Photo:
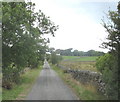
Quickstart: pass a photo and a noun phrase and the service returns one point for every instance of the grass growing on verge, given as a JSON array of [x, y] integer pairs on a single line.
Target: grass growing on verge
[[19, 92], [84, 92]]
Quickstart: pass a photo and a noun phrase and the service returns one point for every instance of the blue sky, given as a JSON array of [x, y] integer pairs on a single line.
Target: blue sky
[[79, 22], [97, 9]]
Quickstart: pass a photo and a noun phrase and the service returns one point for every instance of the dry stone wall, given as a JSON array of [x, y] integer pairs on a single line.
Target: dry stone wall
[[85, 76]]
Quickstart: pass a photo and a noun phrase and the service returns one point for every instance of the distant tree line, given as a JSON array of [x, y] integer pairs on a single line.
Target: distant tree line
[[69, 52]]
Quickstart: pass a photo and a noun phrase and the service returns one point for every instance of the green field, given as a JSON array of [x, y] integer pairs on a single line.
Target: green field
[[70, 57], [80, 58]]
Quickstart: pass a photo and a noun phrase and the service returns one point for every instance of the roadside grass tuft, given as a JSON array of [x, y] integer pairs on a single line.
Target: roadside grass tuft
[[19, 92], [83, 91]]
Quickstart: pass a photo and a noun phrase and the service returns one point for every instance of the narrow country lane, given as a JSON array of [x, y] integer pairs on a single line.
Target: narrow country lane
[[49, 86]]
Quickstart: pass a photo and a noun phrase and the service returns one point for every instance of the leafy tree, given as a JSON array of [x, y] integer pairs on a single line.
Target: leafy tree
[[82, 53], [22, 43], [51, 50], [108, 64], [55, 58], [76, 53], [94, 53], [66, 52]]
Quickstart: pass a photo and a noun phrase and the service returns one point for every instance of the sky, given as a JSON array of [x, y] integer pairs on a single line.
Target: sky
[[79, 22]]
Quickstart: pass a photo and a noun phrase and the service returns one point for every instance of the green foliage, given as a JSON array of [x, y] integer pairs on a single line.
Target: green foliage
[[104, 61], [48, 57], [113, 29], [108, 64], [22, 42], [94, 53], [55, 58]]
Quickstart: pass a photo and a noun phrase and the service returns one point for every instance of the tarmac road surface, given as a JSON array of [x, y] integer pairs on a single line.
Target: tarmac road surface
[[49, 86]]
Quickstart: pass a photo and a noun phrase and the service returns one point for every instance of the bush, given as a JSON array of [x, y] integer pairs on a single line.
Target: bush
[[11, 75], [55, 58], [107, 65]]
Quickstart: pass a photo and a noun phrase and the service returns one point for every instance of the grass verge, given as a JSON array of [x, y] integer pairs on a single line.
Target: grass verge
[[19, 92], [84, 92]]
